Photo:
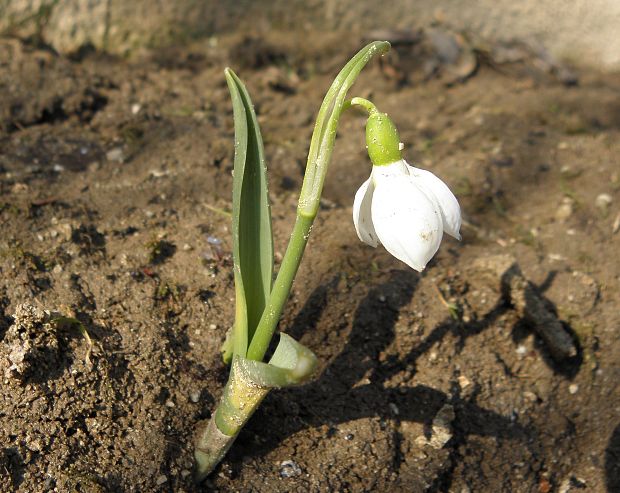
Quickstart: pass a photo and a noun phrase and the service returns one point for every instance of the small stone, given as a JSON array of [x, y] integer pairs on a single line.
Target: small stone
[[19, 188], [185, 473], [194, 397], [187, 247], [464, 382], [433, 356], [161, 480], [212, 326], [603, 201], [135, 108], [565, 210], [521, 350], [289, 469], [616, 226], [115, 155], [572, 484], [34, 446], [573, 388], [159, 173], [170, 404], [57, 269], [394, 409], [382, 298], [441, 428], [556, 257]]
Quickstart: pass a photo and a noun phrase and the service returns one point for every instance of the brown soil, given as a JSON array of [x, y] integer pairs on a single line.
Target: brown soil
[[115, 182]]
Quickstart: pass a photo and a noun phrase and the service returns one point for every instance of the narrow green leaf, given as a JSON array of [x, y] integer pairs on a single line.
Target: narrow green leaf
[[251, 218]]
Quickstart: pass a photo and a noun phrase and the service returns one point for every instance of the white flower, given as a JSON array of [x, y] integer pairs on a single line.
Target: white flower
[[406, 209]]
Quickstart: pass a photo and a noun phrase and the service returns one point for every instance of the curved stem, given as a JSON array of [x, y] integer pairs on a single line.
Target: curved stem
[[319, 155], [364, 103]]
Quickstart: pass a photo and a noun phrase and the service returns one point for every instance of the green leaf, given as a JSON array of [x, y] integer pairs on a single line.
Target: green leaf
[[251, 218]]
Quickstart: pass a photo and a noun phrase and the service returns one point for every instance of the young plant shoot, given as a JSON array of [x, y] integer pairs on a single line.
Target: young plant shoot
[[406, 209]]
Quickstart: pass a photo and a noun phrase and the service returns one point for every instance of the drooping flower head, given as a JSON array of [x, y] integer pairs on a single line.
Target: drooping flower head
[[404, 208]]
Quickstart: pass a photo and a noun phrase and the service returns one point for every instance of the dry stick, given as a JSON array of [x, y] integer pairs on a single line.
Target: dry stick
[[530, 305]]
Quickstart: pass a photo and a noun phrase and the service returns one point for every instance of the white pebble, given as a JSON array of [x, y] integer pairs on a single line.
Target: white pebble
[[115, 154], [603, 201]]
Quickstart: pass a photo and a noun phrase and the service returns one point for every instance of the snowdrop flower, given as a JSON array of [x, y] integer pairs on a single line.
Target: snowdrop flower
[[406, 209]]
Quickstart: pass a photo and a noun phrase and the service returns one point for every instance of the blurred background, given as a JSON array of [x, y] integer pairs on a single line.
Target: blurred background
[[579, 31]]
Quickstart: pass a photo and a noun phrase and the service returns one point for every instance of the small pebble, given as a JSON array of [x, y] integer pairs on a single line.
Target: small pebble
[[135, 108], [212, 326], [115, 154], [616, 225], [603, 201], [464, 381], [187, 247], [170, 403], [161, 480], [521, 350], [565, 210], [185, 473], [289, 469], [573, 388], [194, 397]]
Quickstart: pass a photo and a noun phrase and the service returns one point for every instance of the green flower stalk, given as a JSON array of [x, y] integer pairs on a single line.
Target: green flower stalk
[[259, 304]]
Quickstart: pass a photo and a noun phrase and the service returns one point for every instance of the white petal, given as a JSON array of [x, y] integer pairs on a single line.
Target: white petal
[[361, 214], [450, 209], [406, 220]]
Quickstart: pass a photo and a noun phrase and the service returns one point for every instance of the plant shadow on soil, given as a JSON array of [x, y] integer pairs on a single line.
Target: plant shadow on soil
[[612, 462], [334, 401]]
